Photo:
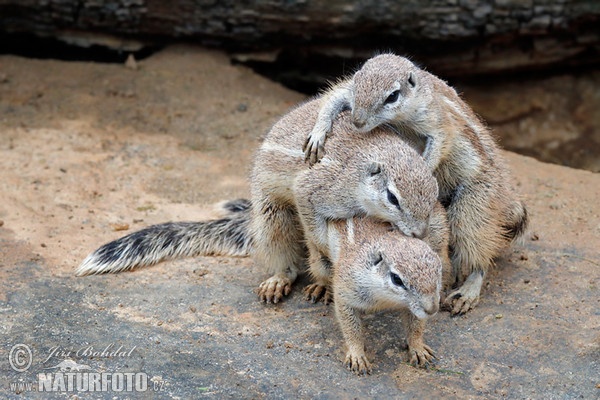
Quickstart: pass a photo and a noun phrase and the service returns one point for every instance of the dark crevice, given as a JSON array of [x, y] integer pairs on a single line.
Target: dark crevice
[[77, 12], [32, 46], [306, 70], [309, 72]]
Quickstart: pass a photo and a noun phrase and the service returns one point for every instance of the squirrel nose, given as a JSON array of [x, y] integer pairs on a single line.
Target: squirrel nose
[[421, 232], [359, 124], [359, 118], [432, 308]]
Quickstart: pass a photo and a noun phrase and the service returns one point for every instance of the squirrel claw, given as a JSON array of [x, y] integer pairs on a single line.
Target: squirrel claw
[[313, 149], [274, 289], [316, 291], [358, 364], [459, 303], [422, 356], [466, 297]]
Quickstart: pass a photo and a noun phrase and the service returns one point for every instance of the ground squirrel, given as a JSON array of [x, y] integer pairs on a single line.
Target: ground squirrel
[[375, 268], [372, 266], [484, 213], [375, 175]]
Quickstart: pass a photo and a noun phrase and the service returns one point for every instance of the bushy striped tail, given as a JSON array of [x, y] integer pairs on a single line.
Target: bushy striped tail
[[228, 236]]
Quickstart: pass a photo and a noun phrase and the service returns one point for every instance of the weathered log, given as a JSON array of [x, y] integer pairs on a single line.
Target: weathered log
[[457, 37]]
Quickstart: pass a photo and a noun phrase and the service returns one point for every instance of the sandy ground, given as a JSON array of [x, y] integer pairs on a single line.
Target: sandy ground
[[89, 152]]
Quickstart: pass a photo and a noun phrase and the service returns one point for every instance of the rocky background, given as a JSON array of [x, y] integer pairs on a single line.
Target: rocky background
[[457, 36], [90, 152]]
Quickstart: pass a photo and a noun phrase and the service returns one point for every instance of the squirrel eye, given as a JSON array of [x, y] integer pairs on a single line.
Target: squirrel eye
[[393, 199], [396, 280], [392, 98]]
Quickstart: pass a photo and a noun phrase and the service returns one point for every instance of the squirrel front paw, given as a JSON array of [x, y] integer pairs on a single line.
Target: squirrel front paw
[[314, 147], [316, 291], [420, 356], [357, 363], [273, 289]]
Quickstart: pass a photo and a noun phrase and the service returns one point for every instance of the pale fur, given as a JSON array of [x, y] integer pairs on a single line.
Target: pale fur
[[365, 254], [484, 212], [292, 203]]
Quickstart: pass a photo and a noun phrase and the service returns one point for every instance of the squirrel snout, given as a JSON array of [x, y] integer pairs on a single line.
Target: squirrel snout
[[359, 118], [421, 232], [359, 124], [431, 308]]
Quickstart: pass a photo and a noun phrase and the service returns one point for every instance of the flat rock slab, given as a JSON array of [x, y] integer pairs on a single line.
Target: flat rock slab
[[91, 152]]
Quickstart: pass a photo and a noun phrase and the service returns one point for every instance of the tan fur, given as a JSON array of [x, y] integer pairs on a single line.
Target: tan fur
[[292, 204], [365, 255], [485, 214]]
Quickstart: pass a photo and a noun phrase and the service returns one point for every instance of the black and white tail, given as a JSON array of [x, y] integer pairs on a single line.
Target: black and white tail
[[227, 236]]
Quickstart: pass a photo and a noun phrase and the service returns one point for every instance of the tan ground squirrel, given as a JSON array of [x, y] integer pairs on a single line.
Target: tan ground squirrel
[[484, 212], [376, 269], [375, 175]]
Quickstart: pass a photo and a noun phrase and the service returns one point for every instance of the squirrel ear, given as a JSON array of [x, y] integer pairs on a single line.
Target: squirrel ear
[[376, 257], [374, 168], [412, 79]]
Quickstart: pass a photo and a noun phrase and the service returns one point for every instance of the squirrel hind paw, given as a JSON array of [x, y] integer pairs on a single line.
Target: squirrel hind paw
[[274, 289], [358, 364], [458, 303], [422, 356], [316, 291], [466, 297]]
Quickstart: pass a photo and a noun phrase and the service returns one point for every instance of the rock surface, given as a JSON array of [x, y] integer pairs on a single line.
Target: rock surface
[[87, 149], [554, 119], [457, 36]]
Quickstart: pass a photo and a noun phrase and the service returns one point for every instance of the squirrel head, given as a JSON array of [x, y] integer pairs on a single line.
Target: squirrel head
[[398, 272], [397, 186], [387, 88]]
